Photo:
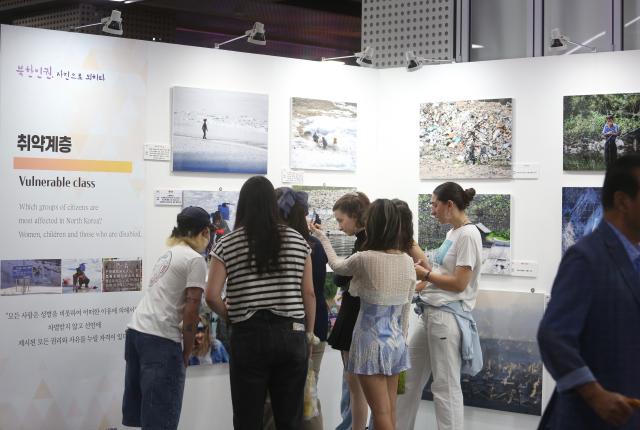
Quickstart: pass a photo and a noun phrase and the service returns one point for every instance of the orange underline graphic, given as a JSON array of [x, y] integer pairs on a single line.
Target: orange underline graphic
[[28, 163]]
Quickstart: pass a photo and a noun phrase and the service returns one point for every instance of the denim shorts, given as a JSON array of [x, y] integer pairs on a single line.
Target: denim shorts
[[153, 383]]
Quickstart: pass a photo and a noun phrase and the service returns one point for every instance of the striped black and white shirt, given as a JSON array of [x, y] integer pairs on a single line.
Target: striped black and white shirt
[[249, 291]]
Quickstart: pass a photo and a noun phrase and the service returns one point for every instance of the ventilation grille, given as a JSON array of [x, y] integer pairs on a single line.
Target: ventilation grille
[[392, 27]]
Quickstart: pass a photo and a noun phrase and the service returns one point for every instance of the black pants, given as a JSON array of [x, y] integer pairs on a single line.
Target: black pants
[[610, 151], [268, 352]]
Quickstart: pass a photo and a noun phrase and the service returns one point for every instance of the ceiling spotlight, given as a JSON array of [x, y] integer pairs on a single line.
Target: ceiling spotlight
[[256, 36], [559, 42], [111, 24], [364, 58], [415, 63]]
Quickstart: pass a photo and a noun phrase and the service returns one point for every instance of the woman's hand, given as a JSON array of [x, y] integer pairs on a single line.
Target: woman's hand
[[421, 271], [315, 229]]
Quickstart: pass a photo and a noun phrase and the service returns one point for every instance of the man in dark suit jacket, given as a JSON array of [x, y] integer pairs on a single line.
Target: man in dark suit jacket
[[590, 335]]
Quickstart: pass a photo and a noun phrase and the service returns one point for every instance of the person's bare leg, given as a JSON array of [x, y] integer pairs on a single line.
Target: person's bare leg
[[359, 407], [375, 388], [392, 389]]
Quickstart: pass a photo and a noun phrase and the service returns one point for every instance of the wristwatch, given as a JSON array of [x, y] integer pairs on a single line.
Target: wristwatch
[[426, 277]]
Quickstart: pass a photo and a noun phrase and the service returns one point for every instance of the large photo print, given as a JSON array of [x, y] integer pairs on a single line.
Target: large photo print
[[599, 128], [324, 134], [511, 378], [219, 131], [466, 139]]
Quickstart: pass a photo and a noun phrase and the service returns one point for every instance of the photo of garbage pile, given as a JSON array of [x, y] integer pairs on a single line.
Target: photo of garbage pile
[[466, 139]]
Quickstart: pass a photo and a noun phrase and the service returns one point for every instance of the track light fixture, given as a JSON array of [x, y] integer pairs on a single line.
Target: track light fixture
[[415, 63], [255, 35], [559, 42], [110, 25], [363, 58]]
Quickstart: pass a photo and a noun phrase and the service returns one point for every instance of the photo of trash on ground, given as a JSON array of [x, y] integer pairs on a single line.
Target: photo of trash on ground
[[324, 135], [466, 139]]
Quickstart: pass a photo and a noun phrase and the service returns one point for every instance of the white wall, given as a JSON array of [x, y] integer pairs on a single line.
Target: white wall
[[281, 79], [537, 87], [207, 398], [388, 110]]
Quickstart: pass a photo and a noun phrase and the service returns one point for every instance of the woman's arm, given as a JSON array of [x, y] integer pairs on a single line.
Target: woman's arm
[[455, 283], [308, 296], [341, 266], [419, 256], [215, 285], [189, 319]]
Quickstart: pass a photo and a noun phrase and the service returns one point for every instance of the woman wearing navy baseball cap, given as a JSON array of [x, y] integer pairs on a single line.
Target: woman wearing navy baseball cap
[[157, 348]]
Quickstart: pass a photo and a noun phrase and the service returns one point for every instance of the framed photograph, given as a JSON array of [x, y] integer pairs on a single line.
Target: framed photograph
[[218, 131], [466, 139], [324, 135], [598, 128]]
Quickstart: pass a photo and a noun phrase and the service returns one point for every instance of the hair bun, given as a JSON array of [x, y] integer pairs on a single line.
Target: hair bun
[[469, 193]]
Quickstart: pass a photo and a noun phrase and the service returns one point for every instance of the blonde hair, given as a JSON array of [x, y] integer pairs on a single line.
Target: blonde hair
[[205, 346], [179, 240]]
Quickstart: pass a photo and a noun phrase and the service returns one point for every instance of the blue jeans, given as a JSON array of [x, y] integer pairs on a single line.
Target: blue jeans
[[153, 382], [345, 406], [268, 352]]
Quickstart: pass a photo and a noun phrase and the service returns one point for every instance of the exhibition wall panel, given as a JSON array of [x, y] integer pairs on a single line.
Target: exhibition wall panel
[[537, 87], [281, 79], [72, 121]]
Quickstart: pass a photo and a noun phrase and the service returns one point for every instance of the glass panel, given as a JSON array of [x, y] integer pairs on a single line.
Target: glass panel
[[631, 23], [583, 21], [498, 29]]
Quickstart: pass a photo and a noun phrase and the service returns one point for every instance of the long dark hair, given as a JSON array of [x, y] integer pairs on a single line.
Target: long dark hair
[[454, 192], [297, 218], [405, 238], [382, 226], [258, 214]]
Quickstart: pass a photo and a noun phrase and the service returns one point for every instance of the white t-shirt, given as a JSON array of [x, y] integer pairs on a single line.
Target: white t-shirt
[[160, 311], [462, 247]]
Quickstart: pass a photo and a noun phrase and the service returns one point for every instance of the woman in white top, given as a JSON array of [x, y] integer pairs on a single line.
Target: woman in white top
[[434, 346], [155, 372], [384, 279]]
